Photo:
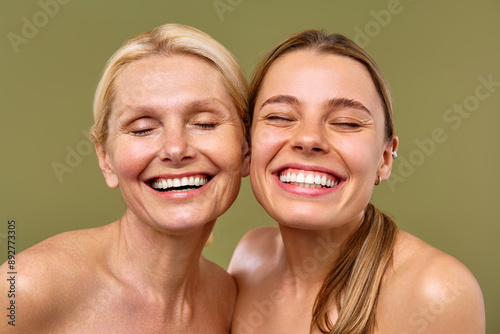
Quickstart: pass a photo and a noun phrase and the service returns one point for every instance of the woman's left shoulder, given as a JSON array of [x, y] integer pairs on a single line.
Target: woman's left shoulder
[[432, 291]]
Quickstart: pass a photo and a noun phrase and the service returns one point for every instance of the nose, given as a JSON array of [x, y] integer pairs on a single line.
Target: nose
[[310, 139], [176, 146]]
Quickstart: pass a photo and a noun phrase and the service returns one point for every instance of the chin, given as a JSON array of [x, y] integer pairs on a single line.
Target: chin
[[181, 222], [310, 219], [301, 220]]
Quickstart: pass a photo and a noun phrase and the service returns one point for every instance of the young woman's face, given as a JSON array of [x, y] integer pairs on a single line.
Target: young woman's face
[[318, 140], [175, 142]]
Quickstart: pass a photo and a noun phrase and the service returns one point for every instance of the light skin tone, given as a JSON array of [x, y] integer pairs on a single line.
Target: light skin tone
[[320, 115], [144, 273]]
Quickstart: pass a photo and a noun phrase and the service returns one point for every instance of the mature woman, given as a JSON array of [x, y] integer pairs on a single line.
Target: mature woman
[[322, 138], [169, 102]]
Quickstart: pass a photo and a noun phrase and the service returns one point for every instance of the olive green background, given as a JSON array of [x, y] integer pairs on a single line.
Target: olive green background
[[432, 53]]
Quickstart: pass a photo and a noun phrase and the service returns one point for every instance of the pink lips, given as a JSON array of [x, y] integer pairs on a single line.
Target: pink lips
[[179, 186], [307, 180]]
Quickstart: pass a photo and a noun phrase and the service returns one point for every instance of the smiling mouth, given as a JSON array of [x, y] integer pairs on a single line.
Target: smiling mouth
[[179, 184], [308, 179]]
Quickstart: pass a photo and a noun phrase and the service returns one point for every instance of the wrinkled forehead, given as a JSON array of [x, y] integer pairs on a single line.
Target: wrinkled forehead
[[162, 79]]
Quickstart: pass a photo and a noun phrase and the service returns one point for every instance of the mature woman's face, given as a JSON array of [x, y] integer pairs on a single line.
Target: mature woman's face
[[175, 142], [317, 140]]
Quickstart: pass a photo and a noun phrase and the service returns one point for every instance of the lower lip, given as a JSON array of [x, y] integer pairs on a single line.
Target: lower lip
[[302, 191], [180, 194]]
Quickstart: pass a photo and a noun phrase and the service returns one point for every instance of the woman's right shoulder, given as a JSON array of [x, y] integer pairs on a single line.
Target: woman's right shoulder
[[255, 249], [52, 275]]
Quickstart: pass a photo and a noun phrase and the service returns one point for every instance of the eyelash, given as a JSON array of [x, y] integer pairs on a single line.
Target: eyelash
[[348, 125], [206, 125], [341, 124], [141, 132], [278, 118]]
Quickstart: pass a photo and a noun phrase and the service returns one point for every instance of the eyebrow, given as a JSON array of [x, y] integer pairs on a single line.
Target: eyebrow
[[335, 103], [341, 103], [209, 102], [196, 104], [286, 99]]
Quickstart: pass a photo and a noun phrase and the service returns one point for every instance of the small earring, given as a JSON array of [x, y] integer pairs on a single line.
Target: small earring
[[378, 181], [394, 154]]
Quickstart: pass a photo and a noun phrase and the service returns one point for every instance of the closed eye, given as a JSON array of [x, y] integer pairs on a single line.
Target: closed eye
[[277, 119], [141, 132], [280, 118], [206, 125], [347, 125]]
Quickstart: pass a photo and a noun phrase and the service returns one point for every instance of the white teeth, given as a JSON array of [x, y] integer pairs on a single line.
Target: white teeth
[[179, 182], [300, 178], [184, 181], [307, 180]]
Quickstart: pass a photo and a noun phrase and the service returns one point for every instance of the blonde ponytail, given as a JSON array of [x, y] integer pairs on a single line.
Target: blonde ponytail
[[355, 280]]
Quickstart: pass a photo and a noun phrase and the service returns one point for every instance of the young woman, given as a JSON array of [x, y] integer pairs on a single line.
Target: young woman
[[169, 102], [322, 138]]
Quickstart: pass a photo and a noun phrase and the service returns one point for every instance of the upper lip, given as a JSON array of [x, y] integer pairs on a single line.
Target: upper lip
[[312, 168]]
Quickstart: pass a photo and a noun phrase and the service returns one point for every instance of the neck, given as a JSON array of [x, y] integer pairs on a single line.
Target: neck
[[309, 255], [159, 264]]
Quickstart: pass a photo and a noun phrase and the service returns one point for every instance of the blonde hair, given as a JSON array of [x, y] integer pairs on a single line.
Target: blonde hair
[[354, 281], [165, 40]]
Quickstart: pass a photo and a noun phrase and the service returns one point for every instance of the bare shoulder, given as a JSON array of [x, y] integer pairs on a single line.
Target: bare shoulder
[[220, 281], [254, 250], [222, 290], [53, 274], [427, 290]]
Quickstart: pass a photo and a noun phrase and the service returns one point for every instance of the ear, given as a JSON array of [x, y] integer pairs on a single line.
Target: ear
[[106, 166], [385, 167], [245, 164]]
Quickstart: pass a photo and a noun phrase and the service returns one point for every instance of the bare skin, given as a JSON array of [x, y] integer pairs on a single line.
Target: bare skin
[[92, 281], [144, 273], [318, 148], [424, 291]]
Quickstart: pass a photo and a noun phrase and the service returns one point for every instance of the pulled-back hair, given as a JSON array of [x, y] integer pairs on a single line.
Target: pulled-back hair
[[166, 40], [354, 281]]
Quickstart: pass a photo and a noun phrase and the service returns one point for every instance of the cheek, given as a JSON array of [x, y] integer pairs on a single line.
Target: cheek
[[360, 154], [225, 149], [266, 142], [130, 158]]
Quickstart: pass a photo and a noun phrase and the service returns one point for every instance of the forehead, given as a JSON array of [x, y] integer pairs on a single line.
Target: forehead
[[315, 77], [167, 79]]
